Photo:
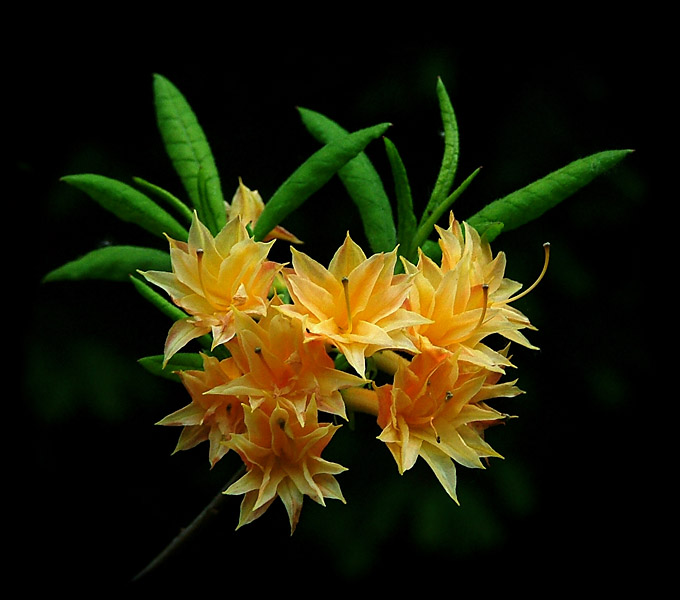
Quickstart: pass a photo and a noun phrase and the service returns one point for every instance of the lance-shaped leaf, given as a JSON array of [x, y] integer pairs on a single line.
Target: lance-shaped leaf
[[160, 302], [128, 204], [188, 149], [447, 171], [203, 206], [182, 361], [362, 182], [114, 263], [530, 202], [312, 175], [406, 218], [171, 200]]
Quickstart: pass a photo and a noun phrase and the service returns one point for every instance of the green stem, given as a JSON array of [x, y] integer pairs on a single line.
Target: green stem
[[428, 224]]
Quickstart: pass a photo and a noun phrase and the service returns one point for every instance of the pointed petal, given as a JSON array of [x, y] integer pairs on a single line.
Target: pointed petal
[[180, 334], [191, 414], [346, 259], [443, 468], [310, 269]]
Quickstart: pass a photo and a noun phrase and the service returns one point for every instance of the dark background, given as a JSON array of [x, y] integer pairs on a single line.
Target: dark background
[[101, 493]]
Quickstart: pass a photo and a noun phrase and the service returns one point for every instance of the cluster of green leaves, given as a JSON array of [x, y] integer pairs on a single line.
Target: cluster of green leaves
[[365, 187], [161, 213], [342, 153]]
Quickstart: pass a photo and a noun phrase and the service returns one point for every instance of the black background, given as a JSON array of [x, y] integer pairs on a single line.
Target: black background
[[100, 493]]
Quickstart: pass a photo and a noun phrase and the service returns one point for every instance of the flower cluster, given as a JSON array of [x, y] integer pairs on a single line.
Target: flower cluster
[[424, 326]]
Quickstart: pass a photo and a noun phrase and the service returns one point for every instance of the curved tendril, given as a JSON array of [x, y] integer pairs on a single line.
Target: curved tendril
[[546, 249], [436, 434]]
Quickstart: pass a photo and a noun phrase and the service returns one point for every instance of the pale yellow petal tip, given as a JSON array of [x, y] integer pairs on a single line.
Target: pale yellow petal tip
[[248, 205], [282, 234]]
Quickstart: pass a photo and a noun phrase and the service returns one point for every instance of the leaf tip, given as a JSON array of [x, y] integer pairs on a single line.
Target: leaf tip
[[48, 277], [157, 77]]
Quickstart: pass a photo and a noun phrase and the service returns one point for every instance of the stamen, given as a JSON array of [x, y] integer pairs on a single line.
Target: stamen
[[273, 379], [199, 264], [546, 249], [436, 434], [485, 291], [345, 287]]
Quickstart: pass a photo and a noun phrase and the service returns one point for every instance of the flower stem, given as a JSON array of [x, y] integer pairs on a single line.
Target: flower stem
[[361, 400], [388, 361]]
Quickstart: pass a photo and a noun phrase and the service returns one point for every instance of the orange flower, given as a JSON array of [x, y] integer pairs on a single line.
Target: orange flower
[[213, 417], [356, 304], [435, 409], [467, 298], [248, 204], [279, 363], [212, 276], [283, 458]]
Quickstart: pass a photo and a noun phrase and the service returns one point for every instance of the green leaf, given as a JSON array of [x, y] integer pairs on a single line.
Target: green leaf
[[362, 183], [188, 149], [312, 175], [160, 302], [492, 231], [128, 204], [532, 201], [447, 171], [182, 361], [204, 204], [175, 203], [114, 263], [406, 218]]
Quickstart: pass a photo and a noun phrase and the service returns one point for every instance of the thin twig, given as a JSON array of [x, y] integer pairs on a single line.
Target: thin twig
[[208, 513]]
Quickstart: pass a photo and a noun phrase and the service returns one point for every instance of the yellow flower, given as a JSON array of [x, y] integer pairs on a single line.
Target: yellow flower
[[212, 276], [466, 298], [248, 205], [280, 364], [356, 304], [436, 409], [213, 417], [283, 458]]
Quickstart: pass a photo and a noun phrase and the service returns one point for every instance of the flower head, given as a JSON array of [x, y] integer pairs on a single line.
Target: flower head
[[279, 363], [213, 417], [248, 205], [467, 298], [436, 409], [283, 458], [211, 277], [356, 304]]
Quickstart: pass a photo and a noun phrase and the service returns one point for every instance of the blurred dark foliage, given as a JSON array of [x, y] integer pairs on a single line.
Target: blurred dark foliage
[[101, 493]]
